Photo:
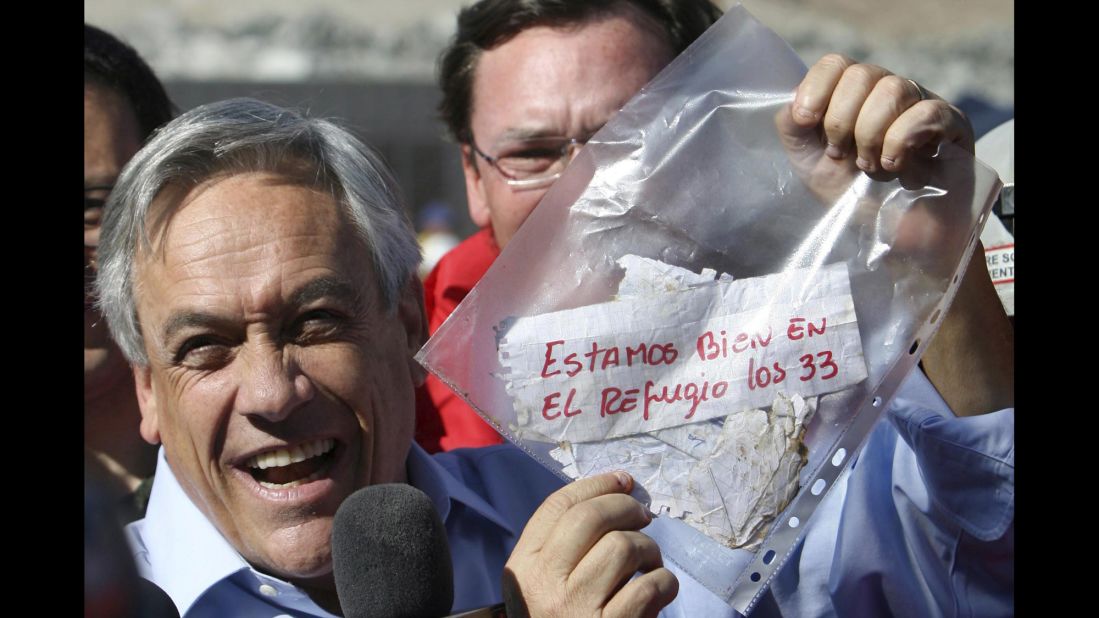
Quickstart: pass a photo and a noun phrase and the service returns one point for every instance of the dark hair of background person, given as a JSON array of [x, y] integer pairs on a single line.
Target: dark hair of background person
[[113, 64], [489, 23]]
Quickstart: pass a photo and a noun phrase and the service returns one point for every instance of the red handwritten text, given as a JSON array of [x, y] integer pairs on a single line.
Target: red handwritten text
[[690, 391], [550, 403], [796, 331], [616, 401], [600, 358], [710, 346]]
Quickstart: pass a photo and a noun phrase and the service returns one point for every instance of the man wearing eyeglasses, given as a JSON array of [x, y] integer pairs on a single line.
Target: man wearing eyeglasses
[[123, 103], [525, 84]]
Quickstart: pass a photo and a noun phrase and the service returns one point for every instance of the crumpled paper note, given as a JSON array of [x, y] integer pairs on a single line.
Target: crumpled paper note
[[728, 477]]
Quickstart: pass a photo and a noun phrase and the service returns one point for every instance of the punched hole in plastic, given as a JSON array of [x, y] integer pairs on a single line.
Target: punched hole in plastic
[[794, 522], [837, 459], [769, 556], [755, 577], [818, 487]]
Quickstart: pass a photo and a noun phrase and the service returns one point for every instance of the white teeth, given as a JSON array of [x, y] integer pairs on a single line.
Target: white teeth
[[284, 457], [309, 479]]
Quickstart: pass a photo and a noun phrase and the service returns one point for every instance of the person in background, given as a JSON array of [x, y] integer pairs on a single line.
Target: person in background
[[526, 82], [436, 237], [546, 75], [277, 371], [529, 81], [258, 270], [123, 104]]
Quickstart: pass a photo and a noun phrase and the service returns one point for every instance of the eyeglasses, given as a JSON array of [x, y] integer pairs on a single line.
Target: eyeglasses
[[532, 163]]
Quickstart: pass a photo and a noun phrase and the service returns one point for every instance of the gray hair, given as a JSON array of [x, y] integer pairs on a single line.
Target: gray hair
[[246, 135]]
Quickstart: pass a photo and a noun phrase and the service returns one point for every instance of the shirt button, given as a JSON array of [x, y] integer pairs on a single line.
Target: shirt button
[[268, 590]]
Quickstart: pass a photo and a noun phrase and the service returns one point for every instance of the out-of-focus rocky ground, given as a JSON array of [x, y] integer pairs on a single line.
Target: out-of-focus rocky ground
[[954, 47], [371, 63]]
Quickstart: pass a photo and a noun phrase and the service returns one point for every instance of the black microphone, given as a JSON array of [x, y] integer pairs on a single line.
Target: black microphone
[[390, 555], [153, 602], [112, 586]]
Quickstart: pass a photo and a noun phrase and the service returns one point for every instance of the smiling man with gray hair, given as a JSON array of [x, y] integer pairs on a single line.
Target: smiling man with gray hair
[[257, 270]]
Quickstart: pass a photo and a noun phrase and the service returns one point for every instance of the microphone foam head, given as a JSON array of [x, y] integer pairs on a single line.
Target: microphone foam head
[[390, 554]]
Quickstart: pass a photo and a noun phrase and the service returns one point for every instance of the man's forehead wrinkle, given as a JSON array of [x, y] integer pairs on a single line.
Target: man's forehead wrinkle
[[538, 128], [327, 287], [174, 200], [191, 242], [529, 129], [261, 297], [256, 296], [551, 52], [165, 209], [184, 319]]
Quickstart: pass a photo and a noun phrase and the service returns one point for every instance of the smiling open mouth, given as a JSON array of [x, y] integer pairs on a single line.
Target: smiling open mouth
[[292, 467]]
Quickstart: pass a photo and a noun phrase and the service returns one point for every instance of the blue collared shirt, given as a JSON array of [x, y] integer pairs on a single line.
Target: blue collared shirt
[[484, 497], [920, 525]]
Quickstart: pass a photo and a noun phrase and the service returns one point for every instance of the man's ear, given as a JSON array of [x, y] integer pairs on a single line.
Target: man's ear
[[475, 188], [146, 401], [410, 311]]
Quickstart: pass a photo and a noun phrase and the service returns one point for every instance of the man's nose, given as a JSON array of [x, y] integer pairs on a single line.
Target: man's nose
[[272, 384]]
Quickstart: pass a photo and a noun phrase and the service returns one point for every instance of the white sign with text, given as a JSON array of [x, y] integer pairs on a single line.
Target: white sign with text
[[642, 364]]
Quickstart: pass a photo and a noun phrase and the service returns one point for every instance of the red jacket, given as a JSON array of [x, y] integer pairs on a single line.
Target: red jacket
[[443, 420]]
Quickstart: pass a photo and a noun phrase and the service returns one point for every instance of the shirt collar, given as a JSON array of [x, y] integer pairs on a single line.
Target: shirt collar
[[176, 534], [429, 476]]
